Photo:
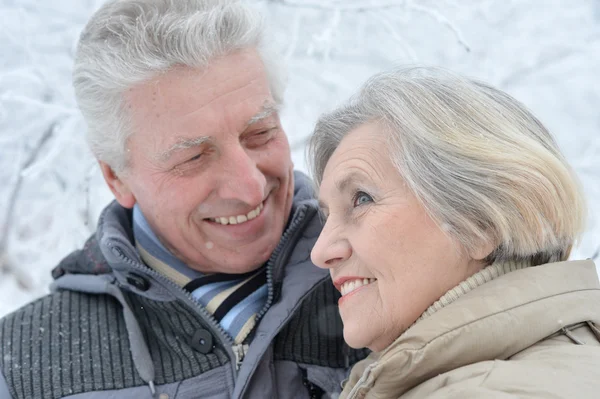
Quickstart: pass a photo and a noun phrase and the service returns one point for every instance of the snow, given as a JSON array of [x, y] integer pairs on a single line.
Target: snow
[[545, 53]]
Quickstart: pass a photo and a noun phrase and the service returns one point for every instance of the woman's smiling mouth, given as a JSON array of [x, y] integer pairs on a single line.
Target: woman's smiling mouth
[[346, 285]]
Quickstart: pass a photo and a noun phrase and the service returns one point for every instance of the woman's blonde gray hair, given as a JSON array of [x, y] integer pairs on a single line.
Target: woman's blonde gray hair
[[127, 42], [484, 168]]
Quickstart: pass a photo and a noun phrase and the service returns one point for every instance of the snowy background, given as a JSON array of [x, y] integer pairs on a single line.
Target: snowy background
[[544, 52]]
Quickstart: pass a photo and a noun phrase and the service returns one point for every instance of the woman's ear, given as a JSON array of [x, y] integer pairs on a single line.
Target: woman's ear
[[483, 250], [119, 188]]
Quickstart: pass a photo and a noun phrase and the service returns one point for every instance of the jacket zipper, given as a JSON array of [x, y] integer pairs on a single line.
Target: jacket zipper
[[236, 352], [239, 351], [361, 381], [225, 340], [302, 216], [295, 226]]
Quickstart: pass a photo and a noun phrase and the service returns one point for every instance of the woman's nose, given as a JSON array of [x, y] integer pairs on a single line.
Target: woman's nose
[[330, 250]]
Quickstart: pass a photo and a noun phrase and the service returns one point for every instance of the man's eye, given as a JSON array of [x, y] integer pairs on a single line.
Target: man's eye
[[361, 198], [263, 133], [261, 137], [195, 158]]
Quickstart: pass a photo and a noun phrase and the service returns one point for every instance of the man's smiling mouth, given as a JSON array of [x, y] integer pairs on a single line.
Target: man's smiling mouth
[[237, 219]]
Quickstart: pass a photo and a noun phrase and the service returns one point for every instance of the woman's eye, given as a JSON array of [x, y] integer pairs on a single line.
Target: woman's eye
[[361, 198]]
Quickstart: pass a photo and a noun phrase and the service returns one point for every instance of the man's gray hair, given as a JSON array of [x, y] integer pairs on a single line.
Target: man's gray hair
[[485, 169], [127, 42]]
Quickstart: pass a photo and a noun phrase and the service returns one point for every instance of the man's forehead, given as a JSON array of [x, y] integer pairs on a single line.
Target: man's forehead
[[187, 94]]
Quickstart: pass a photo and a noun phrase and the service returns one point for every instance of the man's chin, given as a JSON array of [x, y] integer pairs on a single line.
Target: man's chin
[[223, 256], [240, 262], [247, 269], [241, 267]]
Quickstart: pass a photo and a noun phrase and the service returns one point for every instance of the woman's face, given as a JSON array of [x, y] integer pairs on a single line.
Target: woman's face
[[386, 256]]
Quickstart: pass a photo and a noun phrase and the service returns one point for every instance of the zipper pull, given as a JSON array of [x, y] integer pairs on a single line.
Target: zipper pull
[[239, 351]]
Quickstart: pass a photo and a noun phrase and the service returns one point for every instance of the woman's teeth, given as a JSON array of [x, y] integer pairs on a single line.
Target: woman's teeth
[[352, 285], [225, 220]]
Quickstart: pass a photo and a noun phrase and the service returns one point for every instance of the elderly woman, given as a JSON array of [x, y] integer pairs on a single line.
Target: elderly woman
[[450, 217]]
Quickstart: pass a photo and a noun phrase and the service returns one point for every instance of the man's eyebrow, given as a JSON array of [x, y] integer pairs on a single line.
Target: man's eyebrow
[[182, 144], [267, 110]]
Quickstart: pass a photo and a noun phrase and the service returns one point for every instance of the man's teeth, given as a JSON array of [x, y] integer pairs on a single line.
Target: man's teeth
[[352, 285], [239, 218]]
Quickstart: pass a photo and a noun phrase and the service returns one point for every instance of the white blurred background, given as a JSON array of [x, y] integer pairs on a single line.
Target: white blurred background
[[546, 53]]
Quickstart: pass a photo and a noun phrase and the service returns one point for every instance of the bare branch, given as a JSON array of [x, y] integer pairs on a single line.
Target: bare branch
[[408, 49], [88, 222], [295, 35], [328, 34], [538, 67], [436, 15], [341, 7], [12, 202], [30, 101]]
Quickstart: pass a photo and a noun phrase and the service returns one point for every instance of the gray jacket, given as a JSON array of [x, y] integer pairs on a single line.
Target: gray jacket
[[114, 328]]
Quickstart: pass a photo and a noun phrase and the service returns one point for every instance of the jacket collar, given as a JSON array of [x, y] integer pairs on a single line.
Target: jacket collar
[[486, 275], [494, 321]]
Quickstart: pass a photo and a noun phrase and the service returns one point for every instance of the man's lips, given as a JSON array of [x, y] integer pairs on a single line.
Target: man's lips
[[239, 218], [232, 216], [243, 233]]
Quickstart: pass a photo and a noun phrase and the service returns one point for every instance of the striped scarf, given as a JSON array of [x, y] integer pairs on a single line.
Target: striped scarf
[[234, 300]]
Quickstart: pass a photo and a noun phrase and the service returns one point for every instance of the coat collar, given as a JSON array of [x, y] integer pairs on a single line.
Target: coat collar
[[494, 321]]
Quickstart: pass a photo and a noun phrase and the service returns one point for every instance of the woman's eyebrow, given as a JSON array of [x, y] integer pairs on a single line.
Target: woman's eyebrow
[[343, 184], [348, 180]]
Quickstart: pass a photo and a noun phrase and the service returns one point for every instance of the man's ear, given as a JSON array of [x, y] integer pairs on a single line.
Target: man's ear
[[119, 188]]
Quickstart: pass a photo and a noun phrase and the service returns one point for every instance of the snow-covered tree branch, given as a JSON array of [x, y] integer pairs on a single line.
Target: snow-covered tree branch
[[547, 54]]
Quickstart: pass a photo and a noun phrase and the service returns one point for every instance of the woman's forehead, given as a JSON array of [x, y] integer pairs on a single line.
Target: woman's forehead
[[360, 159]]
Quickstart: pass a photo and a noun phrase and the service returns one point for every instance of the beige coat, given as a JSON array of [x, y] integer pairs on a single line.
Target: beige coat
[[508, 338]]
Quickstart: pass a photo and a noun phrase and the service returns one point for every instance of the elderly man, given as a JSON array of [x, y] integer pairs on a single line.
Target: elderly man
[[198, 281]]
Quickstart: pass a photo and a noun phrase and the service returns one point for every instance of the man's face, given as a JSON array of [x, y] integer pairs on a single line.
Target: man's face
[[210, 164]]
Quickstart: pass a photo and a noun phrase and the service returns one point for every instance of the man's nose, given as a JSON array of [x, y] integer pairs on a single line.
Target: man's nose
[[331, 249], [242, 180]]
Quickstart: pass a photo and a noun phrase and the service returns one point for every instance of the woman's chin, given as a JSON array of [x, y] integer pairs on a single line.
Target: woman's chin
[[361, 338], [353, 342], [356, 338]]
